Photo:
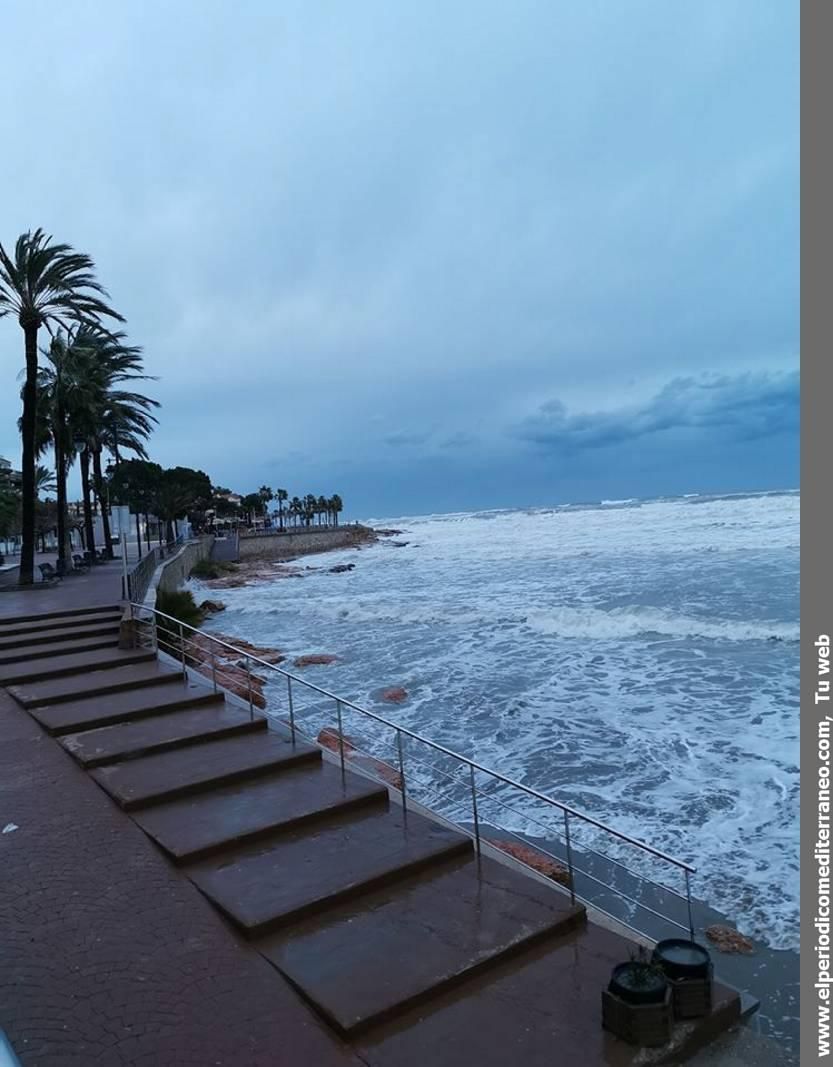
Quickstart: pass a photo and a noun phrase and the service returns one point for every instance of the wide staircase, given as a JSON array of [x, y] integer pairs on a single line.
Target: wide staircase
[[368, 909]]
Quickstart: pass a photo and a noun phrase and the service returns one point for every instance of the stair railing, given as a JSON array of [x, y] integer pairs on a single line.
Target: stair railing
[[632, 895]]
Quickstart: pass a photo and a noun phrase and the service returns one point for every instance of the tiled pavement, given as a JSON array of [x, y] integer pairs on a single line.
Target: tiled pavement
[[109, 954]]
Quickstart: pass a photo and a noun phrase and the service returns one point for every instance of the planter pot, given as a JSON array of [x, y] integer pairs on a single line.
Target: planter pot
[[688, 968], [647, 1025]]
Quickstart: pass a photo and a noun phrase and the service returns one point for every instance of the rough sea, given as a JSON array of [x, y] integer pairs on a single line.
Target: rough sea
[[637, 660]]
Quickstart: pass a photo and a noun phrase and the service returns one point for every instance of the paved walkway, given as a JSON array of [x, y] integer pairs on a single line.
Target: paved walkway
[[109, 954], [100, 585]]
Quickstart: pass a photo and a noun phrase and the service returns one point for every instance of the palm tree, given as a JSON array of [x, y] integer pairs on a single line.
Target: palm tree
[[83, 414], [50, 285], [296, 509], [336, 506], [44, 480], [280, 495]]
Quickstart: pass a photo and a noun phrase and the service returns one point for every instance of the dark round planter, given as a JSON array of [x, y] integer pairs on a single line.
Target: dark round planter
[[680, 958], [633, 983]]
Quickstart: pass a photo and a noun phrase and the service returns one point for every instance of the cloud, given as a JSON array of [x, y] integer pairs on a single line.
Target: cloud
[[404, 439], [332, 227], [741, 408]]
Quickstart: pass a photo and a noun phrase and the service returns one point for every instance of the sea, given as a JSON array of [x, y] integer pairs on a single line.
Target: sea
[[636, 660]]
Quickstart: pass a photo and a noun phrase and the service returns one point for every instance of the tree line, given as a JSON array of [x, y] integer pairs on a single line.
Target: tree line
[[80, 401]]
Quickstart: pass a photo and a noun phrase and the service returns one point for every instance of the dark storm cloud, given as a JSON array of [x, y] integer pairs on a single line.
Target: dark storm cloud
[[363, 243], [742, 408]]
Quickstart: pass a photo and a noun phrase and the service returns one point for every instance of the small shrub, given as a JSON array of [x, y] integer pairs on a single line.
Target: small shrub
[[181, 605], [207, 568]]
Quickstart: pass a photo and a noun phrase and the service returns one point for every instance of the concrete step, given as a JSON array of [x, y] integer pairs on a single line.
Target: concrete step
[[90, 713], [50, 637], [47, 617], [98, 618], [205, 824], [438, 928], [28, 653], [71, 663], [162, 733], [261, 887], [87, 686], [153, 779]]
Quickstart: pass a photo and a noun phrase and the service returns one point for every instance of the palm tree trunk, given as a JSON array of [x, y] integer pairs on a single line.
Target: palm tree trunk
[[61, 480], [29, 421], [88, 511], [105, 518], [138, 536], [147, 530]]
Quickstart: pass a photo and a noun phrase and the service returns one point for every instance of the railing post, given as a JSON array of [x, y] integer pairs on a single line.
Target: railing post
[[214, 669], [340, 734], [182, 650], [474, 808], [291, 707], [569, 856], [249, 679], [401, 770], [688, 901]]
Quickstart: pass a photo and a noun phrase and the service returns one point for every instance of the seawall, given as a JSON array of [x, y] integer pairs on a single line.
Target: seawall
[[302, 542]]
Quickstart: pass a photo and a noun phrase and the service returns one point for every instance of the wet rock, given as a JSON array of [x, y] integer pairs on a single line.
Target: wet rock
[[317, 659], [211, 607], [330, 738], [534, 859], [387, 533], [395, 695], [399, 544], [725, 939], [379, 769], [342, 567]]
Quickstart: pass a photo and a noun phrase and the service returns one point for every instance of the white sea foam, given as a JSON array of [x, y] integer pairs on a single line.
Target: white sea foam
[[637, 661]]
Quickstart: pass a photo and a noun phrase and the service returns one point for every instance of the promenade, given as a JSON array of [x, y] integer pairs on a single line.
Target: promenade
[[184, 885]]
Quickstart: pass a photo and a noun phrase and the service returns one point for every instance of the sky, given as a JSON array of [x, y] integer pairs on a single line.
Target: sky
[[430, 256]]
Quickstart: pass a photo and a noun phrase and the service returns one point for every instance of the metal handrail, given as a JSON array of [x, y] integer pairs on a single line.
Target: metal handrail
[[567, 810]]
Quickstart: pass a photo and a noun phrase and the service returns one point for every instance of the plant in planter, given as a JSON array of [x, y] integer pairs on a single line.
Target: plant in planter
[[636, 1005]]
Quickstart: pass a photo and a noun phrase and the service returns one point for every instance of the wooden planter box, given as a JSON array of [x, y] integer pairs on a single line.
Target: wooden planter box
[[647, 1025], [691, 997]]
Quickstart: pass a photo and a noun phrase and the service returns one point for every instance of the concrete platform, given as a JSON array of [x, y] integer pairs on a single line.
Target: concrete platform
[[539, 1010], [299, 872], [153, 779], [444, 925], [198, 826], [145, 736]]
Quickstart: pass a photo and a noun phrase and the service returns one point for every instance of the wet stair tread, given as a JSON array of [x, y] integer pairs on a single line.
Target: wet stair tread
[[360, 962], [194, 826], [88, 713], [70, 663], [27, 653], [166, 775], [145, 735], [56, 630], [81, 687], [321, 863], [46, 618]]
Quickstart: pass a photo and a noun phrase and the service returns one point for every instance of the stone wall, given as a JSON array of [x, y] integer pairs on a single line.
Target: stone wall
[[302, 542], [174, 572]]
